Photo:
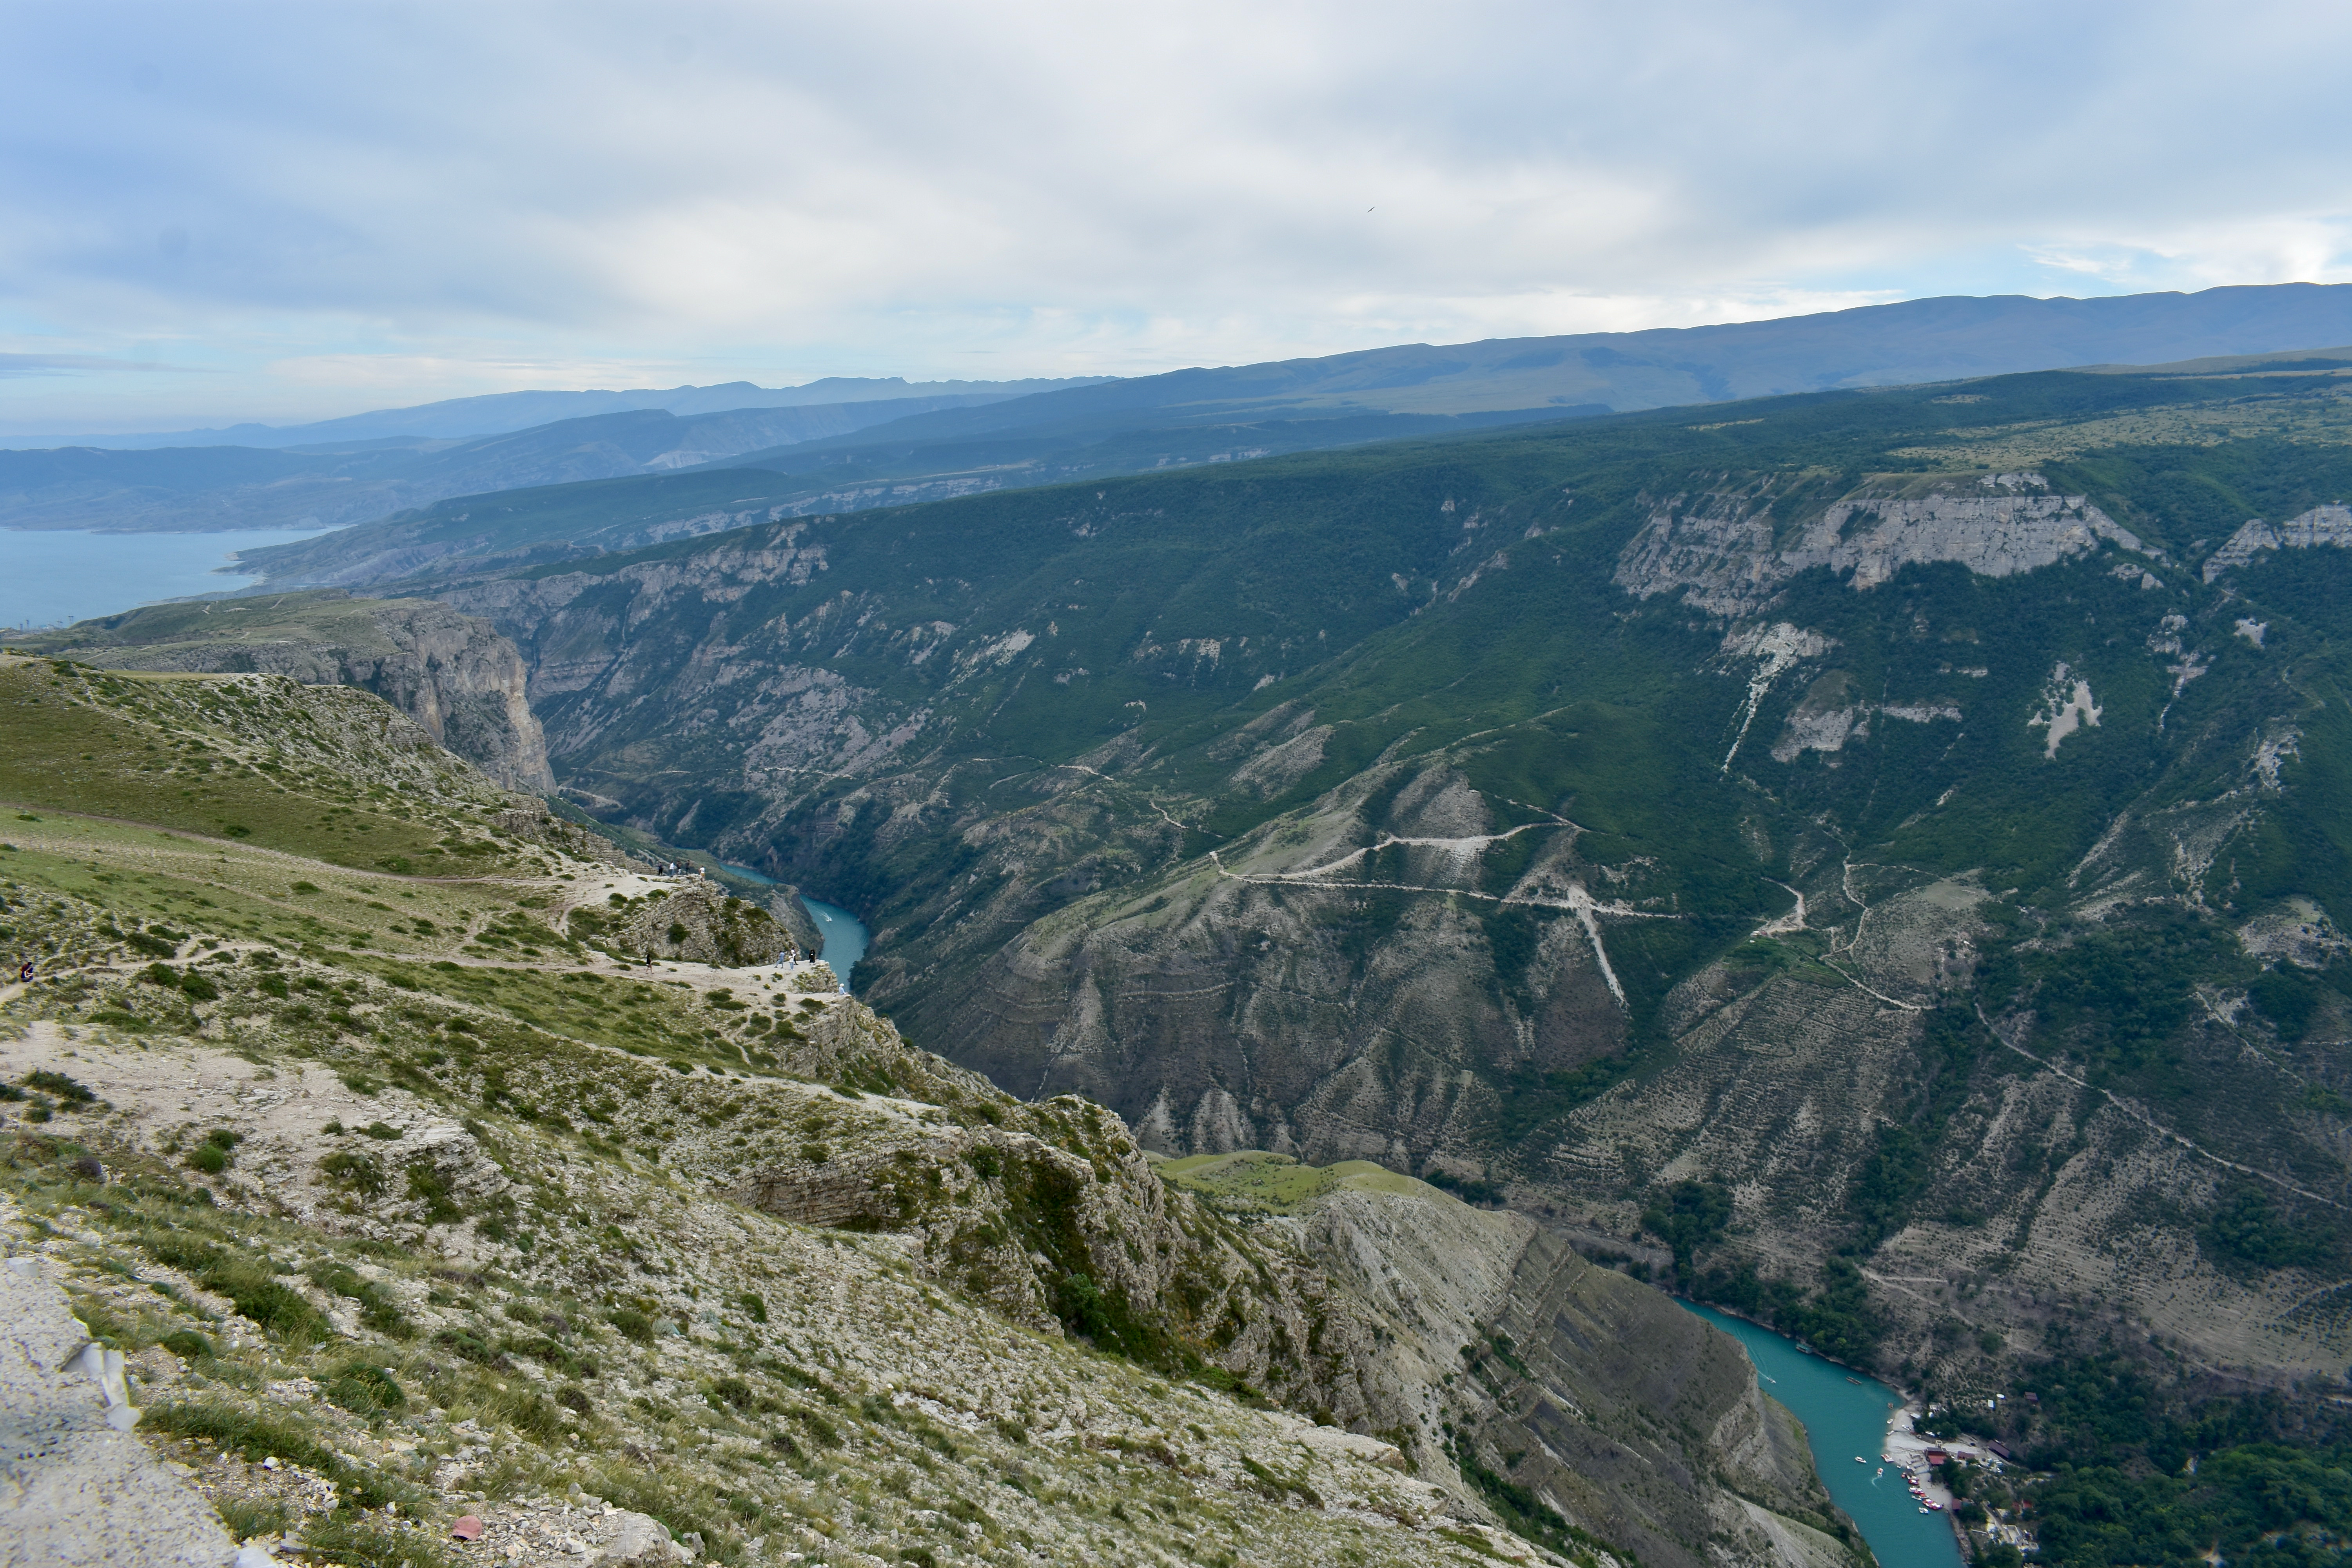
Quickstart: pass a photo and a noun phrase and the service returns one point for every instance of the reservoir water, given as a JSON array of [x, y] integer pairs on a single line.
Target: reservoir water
[[1845, 1414], [53, 577], [845, 935]]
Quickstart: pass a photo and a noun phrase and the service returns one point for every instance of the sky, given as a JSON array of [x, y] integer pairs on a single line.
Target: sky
[[290, 212]]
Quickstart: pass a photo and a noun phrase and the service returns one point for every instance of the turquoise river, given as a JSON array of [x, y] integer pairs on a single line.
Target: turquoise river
[[1845, 1416]]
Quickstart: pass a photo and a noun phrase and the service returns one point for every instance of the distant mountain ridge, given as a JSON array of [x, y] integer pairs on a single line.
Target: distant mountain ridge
[[197, 488], [500, 413], [869, 449], [1907, 343], [1948, 338]]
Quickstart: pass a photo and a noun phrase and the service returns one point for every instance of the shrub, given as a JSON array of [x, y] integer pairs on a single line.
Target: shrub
[[363, 1389], [380, 1312], [432, 1188], [2247, 1231], [280, 1309], [353, 1171], [247, 1517], [344, 1538], [479, 1351], [61, 1086]]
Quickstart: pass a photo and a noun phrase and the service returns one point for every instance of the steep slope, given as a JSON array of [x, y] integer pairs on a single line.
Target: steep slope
[[1551, 1374], [1863, 806], [441, 1196], [461, 682]]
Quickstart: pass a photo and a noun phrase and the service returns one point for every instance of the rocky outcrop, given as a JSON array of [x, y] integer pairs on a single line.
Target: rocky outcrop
[[2320, 525], [698, 922], [792, 723], [1494, 1350], [1359, 1302], [1597, 1386], [463, 683], [78, 1487], [1729, 553]]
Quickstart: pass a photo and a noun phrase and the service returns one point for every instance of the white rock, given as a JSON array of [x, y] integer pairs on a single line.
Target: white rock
[[641, 1541]]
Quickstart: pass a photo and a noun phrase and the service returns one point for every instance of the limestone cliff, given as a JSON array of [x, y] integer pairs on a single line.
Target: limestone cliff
[[2322, 525], [463, 683], [1492, 1351], [1730, 551]]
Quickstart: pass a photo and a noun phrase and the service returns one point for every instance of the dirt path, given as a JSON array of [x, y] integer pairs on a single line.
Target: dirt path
[[2152, 1124]]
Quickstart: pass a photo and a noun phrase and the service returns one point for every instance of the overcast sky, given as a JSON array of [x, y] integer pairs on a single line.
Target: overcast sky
[[222, 211]]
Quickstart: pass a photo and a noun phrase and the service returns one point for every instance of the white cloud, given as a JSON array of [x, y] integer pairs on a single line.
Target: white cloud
[[331, 205]]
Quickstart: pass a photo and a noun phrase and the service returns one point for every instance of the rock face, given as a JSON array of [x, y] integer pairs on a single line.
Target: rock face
[[76, 1488], [1576, 1383], [463, 683], [1730, 553], [2320, 525], [1358, 1296], [1224, 1008], [698, 922]]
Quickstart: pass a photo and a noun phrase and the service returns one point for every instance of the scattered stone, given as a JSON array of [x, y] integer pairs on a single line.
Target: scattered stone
[[641, 1541]]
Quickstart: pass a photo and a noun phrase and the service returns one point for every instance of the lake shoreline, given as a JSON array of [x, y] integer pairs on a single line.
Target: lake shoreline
[[1850, 1417], [1900, 1421], [57, 577]]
